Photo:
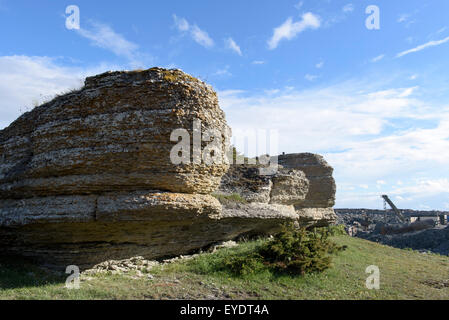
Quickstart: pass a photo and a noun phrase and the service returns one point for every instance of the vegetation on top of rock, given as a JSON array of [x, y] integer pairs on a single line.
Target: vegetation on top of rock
[[175, 75]]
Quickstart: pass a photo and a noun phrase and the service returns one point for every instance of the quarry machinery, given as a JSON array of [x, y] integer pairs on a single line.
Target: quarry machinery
[[395, 209]]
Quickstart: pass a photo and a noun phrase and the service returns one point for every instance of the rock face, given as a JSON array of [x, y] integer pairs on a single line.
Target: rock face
[[112, 135], [303, 184], [87, 177]]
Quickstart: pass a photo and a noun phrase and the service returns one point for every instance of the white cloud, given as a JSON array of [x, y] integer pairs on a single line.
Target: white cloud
[[199, 36], [378, 58], [223, 72], [442, 30], [403, 17], [103, 36], [406, 19], [348, 8], [319, 65], [231, 44], [27, 81], [310, 77], [328, 118], [423, 46], [423, 188], [258, 62], [181, 23], [367, 134], [289, 29]]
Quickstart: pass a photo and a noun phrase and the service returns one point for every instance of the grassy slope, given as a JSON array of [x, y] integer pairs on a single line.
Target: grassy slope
[[404, 275]]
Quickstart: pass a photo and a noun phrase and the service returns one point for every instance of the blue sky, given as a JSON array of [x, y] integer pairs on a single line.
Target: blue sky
[[375, 103]]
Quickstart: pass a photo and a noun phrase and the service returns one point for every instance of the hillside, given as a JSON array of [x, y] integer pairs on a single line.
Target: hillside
[[404, 274]]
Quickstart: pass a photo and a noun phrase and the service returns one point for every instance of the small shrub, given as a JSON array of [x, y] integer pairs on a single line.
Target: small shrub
[[293, 251], [337, 230], [299, 251], [242, 266]]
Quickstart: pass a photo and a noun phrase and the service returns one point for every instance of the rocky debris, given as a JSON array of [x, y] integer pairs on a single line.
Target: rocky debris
[[434, 240], [224, 245], [141, 266], [387, 213], [138, 265], [301, 190], [382, 226]]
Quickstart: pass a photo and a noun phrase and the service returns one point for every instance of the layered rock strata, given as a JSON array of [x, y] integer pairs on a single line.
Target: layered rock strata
[[303, 185], [88, 175], [317, 207]]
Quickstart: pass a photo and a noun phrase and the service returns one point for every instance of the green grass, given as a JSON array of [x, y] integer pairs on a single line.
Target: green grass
[[404, 274]]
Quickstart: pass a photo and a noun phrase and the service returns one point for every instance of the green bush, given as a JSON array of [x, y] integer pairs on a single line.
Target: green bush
[[337, 230], [244, 265], [293, 251]]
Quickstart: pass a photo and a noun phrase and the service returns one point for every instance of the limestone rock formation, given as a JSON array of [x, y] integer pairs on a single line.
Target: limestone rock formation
[[303, 184], [87, 177], [112, 135], [317, 207]]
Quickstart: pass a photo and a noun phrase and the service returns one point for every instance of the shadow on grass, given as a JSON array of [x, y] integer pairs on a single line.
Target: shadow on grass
[[17, 272]]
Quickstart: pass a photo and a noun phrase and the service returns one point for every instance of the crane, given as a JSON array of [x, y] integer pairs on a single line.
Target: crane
[[395, 210]]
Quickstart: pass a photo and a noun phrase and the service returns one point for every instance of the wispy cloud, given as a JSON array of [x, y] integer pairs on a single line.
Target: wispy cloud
[[103, 36], [423, 46], [403, 17], [258, 62], [442, 29], [319, 65], [378, 58], [407, 18], [199, 36], [232, 45], [223, 72], [289, 29]]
